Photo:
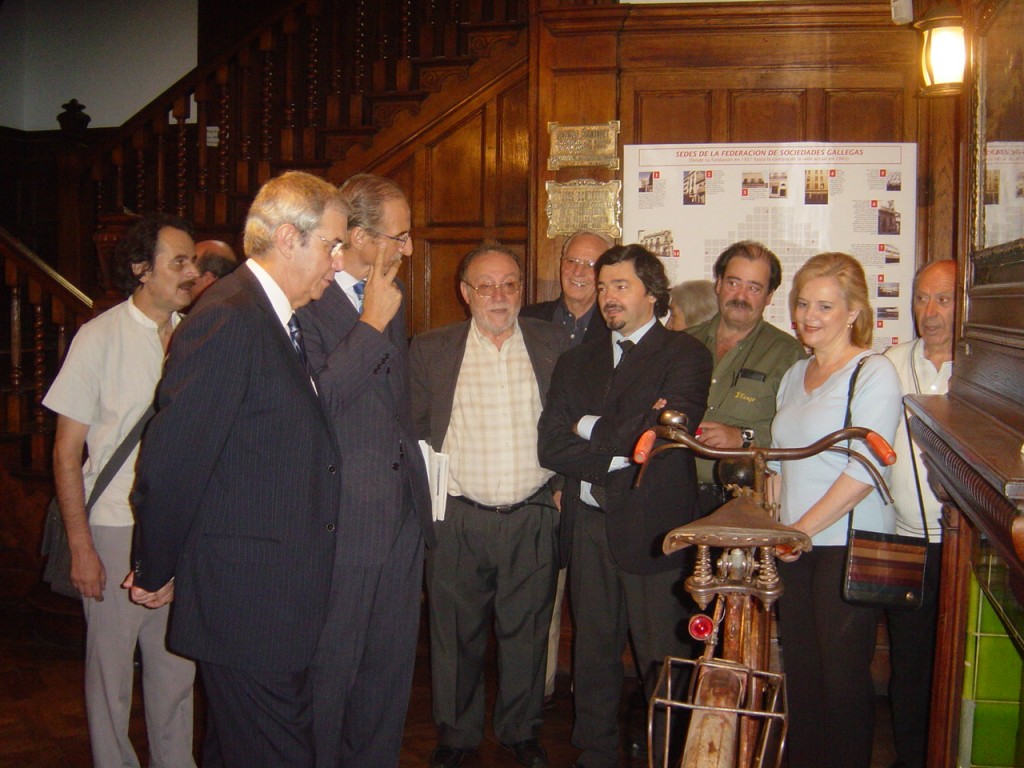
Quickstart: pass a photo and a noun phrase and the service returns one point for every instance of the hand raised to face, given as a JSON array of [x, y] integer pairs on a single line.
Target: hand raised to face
[[381, 298]]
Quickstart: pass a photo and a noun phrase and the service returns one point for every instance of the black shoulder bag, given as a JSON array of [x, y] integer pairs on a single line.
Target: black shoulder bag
[[57, 572]]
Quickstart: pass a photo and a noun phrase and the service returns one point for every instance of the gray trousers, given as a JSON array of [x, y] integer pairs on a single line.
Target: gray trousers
[[488, 566], [113, 627], [608, 605]]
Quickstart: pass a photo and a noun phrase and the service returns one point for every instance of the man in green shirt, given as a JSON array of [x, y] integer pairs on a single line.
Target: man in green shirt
[[750, 357]]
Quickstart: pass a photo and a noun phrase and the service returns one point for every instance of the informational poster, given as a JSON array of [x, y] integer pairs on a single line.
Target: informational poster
[[687, 203], [1004, 191]]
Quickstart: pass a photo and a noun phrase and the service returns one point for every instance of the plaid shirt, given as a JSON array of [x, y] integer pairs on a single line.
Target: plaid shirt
[[492, 435]]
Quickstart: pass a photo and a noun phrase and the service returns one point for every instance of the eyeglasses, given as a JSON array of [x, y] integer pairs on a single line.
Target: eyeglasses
[[332, 246], [488, 290], [400, 239], [574, 262]]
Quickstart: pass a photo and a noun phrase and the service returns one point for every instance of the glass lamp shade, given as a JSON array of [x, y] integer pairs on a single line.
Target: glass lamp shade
[[943, 52]]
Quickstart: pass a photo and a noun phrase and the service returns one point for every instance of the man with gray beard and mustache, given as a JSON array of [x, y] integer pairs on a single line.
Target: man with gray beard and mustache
[[477, 389], [750, 357]]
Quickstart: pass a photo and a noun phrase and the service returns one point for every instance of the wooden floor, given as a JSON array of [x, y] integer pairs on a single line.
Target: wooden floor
[[42, 718]]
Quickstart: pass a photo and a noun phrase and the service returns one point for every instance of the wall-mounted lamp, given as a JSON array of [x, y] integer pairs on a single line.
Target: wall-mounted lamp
[[942, 50]]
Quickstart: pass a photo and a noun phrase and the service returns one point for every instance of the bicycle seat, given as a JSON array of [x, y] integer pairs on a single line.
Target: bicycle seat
[[740, 522]]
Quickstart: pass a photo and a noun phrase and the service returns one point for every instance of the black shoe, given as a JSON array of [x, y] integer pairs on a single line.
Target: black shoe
[[636, 746], [444, 756], [529, 753]]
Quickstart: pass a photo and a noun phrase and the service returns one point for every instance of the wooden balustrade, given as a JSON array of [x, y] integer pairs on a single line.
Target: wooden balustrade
[[318, 68], [45, 311], [318, 78]]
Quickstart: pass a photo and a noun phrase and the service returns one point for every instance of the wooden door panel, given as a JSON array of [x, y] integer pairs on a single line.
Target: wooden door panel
[[442, 284], [767, 115], [673, 117], [455, 175], [512, 160], [862, 115]]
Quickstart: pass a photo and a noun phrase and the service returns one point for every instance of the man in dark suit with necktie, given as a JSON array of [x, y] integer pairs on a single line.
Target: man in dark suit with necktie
[[603, 396], [357, 346], [236, 497]]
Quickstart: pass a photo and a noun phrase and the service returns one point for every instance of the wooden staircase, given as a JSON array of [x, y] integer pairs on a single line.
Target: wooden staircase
[[328, 86], [322, 77]]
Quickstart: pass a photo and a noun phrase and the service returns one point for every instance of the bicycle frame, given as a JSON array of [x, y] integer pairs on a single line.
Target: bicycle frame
[[737, 707]]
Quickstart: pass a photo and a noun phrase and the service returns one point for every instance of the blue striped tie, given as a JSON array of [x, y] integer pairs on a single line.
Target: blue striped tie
[[359, 288]]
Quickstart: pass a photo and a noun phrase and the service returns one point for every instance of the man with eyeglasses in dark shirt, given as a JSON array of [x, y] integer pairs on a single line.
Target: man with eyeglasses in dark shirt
[[576, 308]]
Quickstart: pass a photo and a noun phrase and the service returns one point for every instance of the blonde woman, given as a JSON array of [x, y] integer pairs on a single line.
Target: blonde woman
[[827, 644]]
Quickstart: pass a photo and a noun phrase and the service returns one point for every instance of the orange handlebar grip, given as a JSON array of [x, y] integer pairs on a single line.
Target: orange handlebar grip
[[882, 450], [644, 446]]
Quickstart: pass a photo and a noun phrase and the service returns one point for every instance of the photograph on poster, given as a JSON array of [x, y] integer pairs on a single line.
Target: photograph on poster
[[694, 186], [1004, 191], [888, 290], [856, 198]]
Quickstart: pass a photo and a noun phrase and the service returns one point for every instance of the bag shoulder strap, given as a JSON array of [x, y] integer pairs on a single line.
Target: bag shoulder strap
[[118, 459], [849, 418], [849, 393], [917, 477]]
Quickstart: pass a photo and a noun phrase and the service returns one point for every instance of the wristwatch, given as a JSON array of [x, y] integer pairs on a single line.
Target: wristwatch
[[748, 436]]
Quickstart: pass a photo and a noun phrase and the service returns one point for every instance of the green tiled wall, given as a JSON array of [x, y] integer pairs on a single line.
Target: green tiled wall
[[992, 690]]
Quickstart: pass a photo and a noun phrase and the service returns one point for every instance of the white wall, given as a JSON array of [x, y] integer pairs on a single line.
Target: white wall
[[114, 56]]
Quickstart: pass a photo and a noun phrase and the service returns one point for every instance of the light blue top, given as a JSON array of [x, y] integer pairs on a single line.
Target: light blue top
[[802, 418]]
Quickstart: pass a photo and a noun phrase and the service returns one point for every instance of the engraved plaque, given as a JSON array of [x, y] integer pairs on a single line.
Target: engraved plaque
[[584, 145], [584, 204]]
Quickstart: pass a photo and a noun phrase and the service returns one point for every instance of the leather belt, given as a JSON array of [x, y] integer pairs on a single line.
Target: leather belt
[[502, 509]]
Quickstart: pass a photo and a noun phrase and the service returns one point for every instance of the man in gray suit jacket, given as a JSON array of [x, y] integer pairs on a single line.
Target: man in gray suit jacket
[[478, 388], [357, 348], [236, 495]]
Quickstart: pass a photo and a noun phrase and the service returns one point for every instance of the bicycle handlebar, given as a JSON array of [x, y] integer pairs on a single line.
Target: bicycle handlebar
[[674, 430]]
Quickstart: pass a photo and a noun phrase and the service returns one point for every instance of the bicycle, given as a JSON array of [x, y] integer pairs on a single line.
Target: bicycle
[[737, 706]]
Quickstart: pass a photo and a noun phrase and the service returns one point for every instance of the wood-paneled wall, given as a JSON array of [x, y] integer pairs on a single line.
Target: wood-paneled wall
[[468, 181], [737, 72]]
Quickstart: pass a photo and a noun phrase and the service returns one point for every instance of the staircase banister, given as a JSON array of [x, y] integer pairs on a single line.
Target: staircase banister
[[44, 274], [186, 85]]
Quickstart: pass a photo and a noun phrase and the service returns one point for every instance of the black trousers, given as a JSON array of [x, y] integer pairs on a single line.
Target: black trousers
[[607, 605], [911, 657], [827, 645], [257, 719], [486, 567]]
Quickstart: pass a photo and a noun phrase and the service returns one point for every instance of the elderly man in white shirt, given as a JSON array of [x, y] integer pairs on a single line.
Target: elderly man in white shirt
[[924, 366]]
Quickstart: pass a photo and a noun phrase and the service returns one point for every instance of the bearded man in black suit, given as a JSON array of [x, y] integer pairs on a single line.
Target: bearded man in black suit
[[603, 396]]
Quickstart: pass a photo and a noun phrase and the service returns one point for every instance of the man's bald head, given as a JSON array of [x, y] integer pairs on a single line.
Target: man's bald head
[[214, 260]]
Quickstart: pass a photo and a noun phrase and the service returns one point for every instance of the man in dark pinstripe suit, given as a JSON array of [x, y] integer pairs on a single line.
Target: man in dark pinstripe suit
[[357, 345], [236, 497]]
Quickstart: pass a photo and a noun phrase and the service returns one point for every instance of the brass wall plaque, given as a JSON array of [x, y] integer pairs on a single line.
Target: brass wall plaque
[[584, 204], [584, 145]]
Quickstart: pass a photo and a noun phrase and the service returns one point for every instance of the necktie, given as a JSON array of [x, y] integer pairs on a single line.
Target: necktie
[[597, 491], [295, 332], [625, 345], [359, 288]]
